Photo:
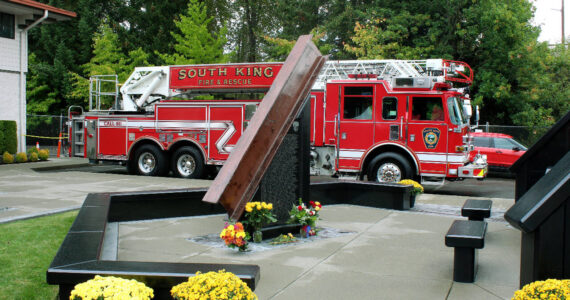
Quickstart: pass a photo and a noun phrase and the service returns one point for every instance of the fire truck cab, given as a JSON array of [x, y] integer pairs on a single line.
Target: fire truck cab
[[390, 133], [377, 120]]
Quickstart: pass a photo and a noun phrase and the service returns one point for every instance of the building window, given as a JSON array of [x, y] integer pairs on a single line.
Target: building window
[[7, 26]]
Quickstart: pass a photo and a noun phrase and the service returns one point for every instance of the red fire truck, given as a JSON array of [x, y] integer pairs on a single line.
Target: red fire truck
[[381, 120]]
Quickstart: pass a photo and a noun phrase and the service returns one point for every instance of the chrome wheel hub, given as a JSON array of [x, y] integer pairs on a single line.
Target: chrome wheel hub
[[186, 164], [389, 172], [147, 162]]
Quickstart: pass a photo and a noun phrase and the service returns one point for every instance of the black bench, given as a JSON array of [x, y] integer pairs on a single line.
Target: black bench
[[476, 210], [466, 237]]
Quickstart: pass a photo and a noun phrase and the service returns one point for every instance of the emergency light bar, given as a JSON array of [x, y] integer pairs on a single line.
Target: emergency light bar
[[360, 76]]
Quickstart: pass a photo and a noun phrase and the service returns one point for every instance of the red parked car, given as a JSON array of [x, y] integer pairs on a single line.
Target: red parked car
[[501, 149]]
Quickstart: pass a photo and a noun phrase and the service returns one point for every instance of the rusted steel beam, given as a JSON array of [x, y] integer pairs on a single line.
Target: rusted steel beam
[[237, 181]]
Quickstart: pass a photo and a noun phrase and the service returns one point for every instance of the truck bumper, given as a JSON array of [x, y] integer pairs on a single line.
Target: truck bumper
[[472, 171]]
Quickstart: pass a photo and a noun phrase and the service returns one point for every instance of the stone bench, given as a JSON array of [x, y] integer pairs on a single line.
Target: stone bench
[[476, 210], [465, 237]]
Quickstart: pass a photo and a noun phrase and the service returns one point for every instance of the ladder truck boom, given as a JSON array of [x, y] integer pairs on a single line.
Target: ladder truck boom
[[148, 84]]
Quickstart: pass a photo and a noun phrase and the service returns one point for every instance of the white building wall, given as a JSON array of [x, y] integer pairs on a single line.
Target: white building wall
[[10, 49], [13, 69], [9, 103]]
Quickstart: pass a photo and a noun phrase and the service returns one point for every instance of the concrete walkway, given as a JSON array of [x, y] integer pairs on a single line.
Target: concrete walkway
[[34, 189], [382, 254]]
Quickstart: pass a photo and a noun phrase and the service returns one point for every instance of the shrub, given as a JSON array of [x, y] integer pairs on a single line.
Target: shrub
[[33, 157], [7, 158], [2, 146], [10, 136], [21, 157], [43, 154], [547, 289], [32, 150], [110, 287], [213, 285]]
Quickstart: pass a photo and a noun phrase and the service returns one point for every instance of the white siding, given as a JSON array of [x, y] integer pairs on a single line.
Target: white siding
[[10, 53], [9, 103], [13, 53]]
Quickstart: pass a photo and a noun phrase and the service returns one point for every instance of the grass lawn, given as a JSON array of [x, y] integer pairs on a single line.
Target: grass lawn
[[26, 250]]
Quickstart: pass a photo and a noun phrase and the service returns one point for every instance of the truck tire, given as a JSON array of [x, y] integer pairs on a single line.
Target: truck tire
[[187, 162], [149, 160], [389, 167]]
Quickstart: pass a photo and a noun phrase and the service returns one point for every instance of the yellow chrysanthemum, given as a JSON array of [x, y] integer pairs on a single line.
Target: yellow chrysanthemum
[[111, 288], [213, 285]]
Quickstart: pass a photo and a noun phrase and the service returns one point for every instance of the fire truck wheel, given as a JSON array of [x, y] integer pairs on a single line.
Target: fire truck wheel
[[187, 163], [150, 161], [389, 167]]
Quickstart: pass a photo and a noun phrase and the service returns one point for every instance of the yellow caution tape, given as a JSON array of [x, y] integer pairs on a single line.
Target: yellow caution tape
[[46, 137]]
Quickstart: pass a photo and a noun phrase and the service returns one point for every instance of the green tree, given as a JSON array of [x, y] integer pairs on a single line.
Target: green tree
[[108, 59], [279, 48], [194, 42], [395, 36], [517, 80]]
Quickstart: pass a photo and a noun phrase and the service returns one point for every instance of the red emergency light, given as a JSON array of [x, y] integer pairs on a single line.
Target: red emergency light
[[362, 76]]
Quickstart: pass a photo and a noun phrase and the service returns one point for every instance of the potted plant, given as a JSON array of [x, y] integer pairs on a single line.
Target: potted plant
[[110, 287], [416, 189], [306, 216], [213, 285], [257, 215]]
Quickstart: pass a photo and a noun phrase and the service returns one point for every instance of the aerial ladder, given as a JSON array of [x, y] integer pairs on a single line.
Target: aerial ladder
[[149, 84]]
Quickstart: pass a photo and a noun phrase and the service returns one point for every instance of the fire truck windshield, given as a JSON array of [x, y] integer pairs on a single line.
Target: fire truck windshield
[[454, 110]]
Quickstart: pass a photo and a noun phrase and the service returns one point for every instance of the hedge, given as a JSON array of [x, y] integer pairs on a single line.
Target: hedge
[[8, 136]]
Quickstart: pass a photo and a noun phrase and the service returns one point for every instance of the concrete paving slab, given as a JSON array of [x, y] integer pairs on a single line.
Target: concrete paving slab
[[358, 285], [470, 291], [36, 189], [388, 255]]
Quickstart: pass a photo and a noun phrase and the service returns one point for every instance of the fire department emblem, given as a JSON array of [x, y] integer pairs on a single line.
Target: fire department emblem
[[431, 137]]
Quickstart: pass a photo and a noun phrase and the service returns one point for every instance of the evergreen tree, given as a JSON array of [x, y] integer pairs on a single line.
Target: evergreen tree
[[108, 59], [195, 44]]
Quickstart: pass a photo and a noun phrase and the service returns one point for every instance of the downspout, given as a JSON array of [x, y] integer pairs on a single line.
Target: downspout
[[22, 82]]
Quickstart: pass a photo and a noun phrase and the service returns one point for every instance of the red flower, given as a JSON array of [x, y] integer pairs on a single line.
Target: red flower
[[238, 226], [300, 208], [312, 203]]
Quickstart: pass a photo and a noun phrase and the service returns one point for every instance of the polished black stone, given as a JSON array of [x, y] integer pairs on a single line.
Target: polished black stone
[[464, 264], [476, 210], [372, 194], [464, 233], [466, 237], [542, 215], [542, 205], [77, 259]]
